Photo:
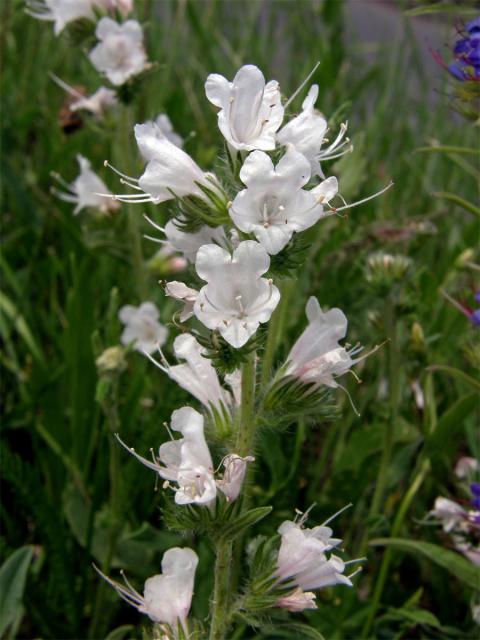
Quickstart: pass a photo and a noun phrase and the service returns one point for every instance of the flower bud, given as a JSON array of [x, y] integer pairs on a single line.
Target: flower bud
[[417, 338], [111, 360], [384, 270]]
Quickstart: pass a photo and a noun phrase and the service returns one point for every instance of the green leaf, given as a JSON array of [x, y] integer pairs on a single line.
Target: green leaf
[[13, 576], [461, 202], [292, 630], [453, 562], [441, 7], [414, 616], [456, 373], [441, 148], [12, 313], [243, 521], [120, 633], [450, 423]]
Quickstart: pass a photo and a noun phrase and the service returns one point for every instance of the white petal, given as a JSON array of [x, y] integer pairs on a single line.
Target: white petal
[[210, 258], [217, 89]]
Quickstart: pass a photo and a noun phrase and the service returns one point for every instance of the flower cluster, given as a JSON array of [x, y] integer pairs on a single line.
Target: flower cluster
[[275, 202], [234, 231]]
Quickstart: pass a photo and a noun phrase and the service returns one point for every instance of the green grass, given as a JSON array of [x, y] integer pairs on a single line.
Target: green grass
[[63, 279]]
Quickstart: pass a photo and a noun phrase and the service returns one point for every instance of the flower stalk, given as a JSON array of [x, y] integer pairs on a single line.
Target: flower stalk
[[220, 609]]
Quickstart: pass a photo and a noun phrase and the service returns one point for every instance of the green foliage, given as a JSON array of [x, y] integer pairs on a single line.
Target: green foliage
[[453, 562], [13, 576]]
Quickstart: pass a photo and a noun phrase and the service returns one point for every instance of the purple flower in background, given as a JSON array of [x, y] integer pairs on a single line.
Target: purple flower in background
[[475, 489], [472, 314], [466, 66]]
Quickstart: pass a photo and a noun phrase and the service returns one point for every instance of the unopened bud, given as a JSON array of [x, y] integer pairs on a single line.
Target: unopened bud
[[111, 360], [417, 337]]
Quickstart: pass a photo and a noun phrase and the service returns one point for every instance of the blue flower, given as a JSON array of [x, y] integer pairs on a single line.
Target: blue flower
[[466, 65]]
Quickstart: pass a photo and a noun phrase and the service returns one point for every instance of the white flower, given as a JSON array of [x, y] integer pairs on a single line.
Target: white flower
[[189, 243], [61, 12], [465, 467], [120, 54], [306, 131], [449, 513], [186, 461], [250, 110], [274, 205], [235, 468], [99, 102], [316, 357], [170, 172], [84, 190], [163, 123], [298, 600], [187, 295], [142, 327], [236, 299], [196, 375], [303, 563], [166, 597]]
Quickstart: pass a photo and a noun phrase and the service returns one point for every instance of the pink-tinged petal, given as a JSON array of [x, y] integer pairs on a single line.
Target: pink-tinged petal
[[106, 27]]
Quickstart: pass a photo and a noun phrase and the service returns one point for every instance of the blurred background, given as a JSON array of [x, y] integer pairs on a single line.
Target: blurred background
[[64, 278]]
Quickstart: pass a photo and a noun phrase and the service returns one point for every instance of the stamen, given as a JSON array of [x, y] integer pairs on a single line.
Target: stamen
[[295, 93], [131, 185], [119, 173], [56, 176], [154, 466], [154, 224], [66, 87], [157, 240], [356, 204], [347, 506], [64, 196], [155, 362]]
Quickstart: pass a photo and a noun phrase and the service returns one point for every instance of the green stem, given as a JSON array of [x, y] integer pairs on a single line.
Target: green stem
[[275, 330], [110, 408], [246, 428], [221, 591], [124, 155], [394, 387], [384, 567], [227, 556]]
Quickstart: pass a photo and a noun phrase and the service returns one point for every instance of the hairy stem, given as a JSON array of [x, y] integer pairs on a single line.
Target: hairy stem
[[221, 590], [246, 427], [227, 555]]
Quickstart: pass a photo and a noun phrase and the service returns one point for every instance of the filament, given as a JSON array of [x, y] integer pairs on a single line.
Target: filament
[[295, 93]]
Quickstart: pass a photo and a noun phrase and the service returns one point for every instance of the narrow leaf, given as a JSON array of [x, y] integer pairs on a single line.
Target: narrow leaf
[[450, 423], [244, 520], [453, 562], [13, 576]]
